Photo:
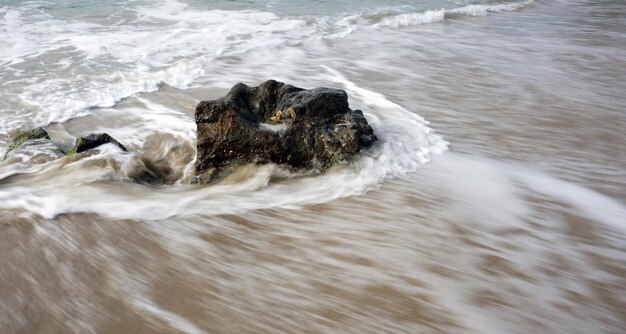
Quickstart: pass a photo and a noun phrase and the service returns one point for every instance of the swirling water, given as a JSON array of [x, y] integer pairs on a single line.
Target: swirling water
[[493, 203]]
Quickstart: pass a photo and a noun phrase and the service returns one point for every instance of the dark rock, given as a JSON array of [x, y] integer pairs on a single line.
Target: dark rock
[[36, 137], [92, 141], [279, 123]]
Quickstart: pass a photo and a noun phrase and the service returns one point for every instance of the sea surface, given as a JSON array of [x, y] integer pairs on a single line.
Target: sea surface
[[495, 201]]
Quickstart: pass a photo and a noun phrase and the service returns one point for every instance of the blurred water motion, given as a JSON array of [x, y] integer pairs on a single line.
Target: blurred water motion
[[494, 203]]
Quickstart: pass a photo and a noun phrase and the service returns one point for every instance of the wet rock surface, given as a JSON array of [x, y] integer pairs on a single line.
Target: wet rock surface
[[35, 145], [92, 141], [278, 123], [36, 138]]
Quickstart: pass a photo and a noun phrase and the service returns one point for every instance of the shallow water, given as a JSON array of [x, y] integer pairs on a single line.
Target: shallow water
[[494, 202]]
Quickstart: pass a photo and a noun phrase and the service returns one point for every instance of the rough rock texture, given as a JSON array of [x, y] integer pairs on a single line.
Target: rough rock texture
[[279, 123], [37, 136], [92, 141]]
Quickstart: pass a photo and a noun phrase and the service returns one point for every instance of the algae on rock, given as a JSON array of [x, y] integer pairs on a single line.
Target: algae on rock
[[23, 137]]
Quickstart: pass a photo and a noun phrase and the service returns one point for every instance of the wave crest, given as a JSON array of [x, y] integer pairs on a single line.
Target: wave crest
[[434, 16]]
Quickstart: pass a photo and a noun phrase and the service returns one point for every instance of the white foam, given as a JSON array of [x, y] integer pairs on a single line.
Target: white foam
[[105, 91], [589, 202], [149, 118], [173, 44], [174, 320], [481, 189], [434, 16], [97, 65], [11, 46], [406, 143], [489, 191], [482, 10], [404, 20], [276, 128]]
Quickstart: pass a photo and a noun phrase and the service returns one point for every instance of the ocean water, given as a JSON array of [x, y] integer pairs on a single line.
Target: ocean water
[[494, 202]]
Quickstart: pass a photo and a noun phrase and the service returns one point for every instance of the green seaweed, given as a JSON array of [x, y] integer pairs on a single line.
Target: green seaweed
[[25, 136], [79, 142]]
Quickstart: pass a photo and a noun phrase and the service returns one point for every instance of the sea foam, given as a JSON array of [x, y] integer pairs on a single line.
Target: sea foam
[[406, 143], [434, 16]]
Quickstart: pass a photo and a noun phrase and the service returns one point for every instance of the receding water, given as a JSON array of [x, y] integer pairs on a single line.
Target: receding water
[[494, 202]]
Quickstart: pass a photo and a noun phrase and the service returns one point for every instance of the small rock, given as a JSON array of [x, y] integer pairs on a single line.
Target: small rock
[[92, 141], [37, 137]]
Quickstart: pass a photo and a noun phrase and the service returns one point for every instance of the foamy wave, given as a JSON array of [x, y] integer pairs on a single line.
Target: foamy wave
[[91, 65], [61, 187], [64, 103], [482, 10], [97, 65], [434, 16], [404, 20]]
